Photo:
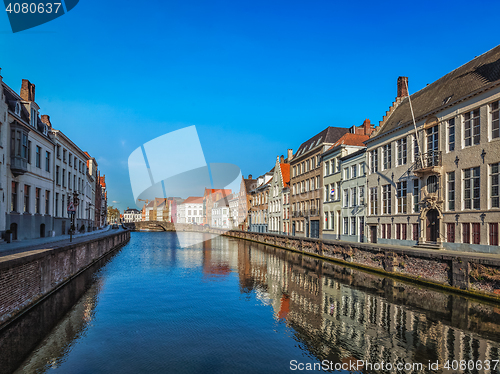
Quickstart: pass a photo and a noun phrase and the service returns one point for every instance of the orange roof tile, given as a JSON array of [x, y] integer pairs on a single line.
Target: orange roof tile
[[351, 139], [285, 174], [193, 200]]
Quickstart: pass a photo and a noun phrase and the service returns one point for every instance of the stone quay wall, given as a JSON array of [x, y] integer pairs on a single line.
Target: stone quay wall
[[28, 277], [464, 272]]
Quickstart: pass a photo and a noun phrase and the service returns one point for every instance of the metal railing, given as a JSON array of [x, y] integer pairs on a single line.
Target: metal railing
[[428, 159]]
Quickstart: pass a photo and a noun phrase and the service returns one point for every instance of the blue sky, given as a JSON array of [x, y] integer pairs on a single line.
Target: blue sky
[[254, 77]]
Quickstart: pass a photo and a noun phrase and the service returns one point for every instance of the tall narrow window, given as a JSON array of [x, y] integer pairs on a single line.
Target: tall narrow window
[[432, 139], [353, 225], [402, 192], [346, 198], [416, 205], [472, 193], [354, 171], [451, 134], [389, 234], [398, 231], [386, 199], [387, 157], [26, 198], [47, 161], [13, 200], [494, 172], [37, 200], [451, 190], [495, 126], [432, 184], [56, 208], [401, 145], [47, 201], [353, 196], [346, 226], [38, 157], [416, 150], [374, 160], [472, 128], [373, 201], [415, 231]]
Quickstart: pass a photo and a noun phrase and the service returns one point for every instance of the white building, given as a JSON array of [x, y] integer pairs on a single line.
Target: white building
[[131, 215], [191, 210], [220, 213], [233, 211]]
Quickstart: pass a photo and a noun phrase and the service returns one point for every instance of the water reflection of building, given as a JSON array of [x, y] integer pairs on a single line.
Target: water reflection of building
[[342, 314]]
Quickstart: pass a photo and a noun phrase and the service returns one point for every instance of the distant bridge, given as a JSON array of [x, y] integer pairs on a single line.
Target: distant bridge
[[163, 226]]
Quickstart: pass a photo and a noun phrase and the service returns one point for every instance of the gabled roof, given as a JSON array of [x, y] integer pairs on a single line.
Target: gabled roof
[[193, 200], [329, 135], [285, 174], [351, 139], [475, 75]]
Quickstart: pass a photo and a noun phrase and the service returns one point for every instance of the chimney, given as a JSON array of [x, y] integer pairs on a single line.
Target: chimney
[[27, 91], [46, 119], [249, 176], [282, 159], [289, 155], [402, 87]]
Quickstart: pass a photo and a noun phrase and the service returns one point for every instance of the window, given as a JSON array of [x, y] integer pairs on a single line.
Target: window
[[26, 198], [476, 233], [389, 234], [494, 185], [75, 163], [56, 209], [416, 205], [450, 232], [294, 171], [346, 173], [401, 145], [33, 117], [70, 159], [332, 220], [465, 232], [62, 206], [495, 126], [432, 184], [472, 188], [346, 226], [47, 161], [383, 231], [327, 193], [69, 180], [374, 161], [64, 177], [346, 198], [373, 201], [472, 127], [354, 171], [386, 199], [403, 231], [57, 174], [64, 155], [47, 199], [386, 155], [432, 139], [353, 196], [13, 200], [38, 157], [353, 225], [58, 151], [312, 184], [317, 182], [29, 151], [398, 231], [327, 168], [451, 134], [37, 200], [451, 190], [493, 234], [361, 195], [401, 190]]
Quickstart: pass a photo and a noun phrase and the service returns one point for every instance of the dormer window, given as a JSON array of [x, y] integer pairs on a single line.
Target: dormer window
[[33, 117], [18, 109], [45, 130]]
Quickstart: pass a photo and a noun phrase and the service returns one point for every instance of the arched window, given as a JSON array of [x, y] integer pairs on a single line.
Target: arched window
[[432, 184]]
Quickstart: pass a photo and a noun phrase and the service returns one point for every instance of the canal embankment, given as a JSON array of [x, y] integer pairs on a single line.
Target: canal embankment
[[473, 274], [29, 275]]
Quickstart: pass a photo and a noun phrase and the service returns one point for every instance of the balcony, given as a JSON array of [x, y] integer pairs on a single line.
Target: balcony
[[430, 162], [18, 165]]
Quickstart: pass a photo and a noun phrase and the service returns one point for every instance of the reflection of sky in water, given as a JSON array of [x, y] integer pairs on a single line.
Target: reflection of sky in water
[[228, 306]]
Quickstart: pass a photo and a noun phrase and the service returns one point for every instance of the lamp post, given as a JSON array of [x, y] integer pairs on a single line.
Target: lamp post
[[72, 210]]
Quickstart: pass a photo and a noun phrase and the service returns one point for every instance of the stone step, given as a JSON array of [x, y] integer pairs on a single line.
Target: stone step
[[428, 246]]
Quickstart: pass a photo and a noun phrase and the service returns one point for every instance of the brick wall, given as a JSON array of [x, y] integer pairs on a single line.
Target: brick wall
[[27, 277]]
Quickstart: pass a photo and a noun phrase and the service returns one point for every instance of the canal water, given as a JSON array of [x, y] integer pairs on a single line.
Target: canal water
[[233, 306]]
